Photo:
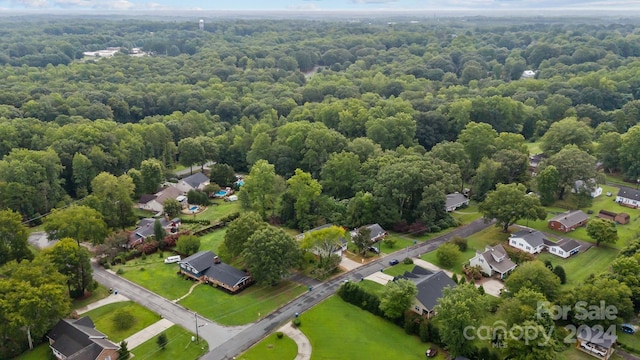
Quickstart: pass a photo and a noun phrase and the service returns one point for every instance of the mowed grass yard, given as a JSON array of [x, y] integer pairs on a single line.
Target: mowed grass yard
[[103, 318], [157, 276], [249, 305], [272, 348], [602, 202], [179, 346], [338, 330], [478, 241], [578, 267], [212, 240]]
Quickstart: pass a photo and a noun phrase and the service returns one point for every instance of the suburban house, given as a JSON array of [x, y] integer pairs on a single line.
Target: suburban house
[[155, 202], [79, 339], [196, 181], [619, 218], [528, 74], [206, 266], [377, 232], [528, 240], [534, 162], [145, 230], [454, 201], [597, 342], [338, 249], [430, 286], [563, 248], [628, 197], [591, 186], [568, 221], [493, 260]]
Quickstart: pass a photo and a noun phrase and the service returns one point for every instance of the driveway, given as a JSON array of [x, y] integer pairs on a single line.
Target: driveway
[[39, 239], [216, 335], [348, 264], [491, 286], [380, 277]]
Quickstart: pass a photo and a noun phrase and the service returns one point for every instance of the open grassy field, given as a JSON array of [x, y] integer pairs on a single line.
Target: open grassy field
[[212, 240], [468, 214], [157, 276], [217, 210], [632, 341], [578, 267], [98, 293], [40, 352], [103, 318], [338, 330], [249, 305], [179, 346], [478, 241], [272, 348], [534, 147]]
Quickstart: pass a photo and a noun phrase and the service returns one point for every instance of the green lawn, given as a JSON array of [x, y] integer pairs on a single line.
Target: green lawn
[[478, 241], [103, 319], [40, 352], [534, 147], [217, 210], [602, 202], [100, 292], [468, 214], [338, 330], [371, 286], [578, 267], [272, 348], [249, 305], [402, 242], [179, 347], [398, 269], [212, 240], [629, 340], [157, 276]]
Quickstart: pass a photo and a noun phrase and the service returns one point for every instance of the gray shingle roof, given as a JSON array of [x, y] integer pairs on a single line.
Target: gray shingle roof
[[455, 199], [570, 218], [533, 238], [430, 285], [78, 339], [226, 274], [200, 261], [629, 193], [196, 179], [568, 244], [493, 253]]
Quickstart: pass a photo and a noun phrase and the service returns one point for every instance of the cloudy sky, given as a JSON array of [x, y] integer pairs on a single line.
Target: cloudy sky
[[320, 5]]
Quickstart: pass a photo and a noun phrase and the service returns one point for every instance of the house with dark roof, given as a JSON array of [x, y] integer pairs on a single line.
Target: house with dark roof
[[596, 341], [618, 218], [155, 202], [145, 230], [454, 201], [628, 197], [568, 221], [531, 241], [377, 232], [430, 286], [72, 339], [207, 267], [493, 260], [563, 248], [338, 249], [196, 181]]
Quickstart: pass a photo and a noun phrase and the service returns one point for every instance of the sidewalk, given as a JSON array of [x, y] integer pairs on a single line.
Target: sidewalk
[[108, 300], [147, 333], [304, 346]]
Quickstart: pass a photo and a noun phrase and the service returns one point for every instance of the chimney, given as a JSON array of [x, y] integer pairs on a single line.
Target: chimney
[[216, 260]]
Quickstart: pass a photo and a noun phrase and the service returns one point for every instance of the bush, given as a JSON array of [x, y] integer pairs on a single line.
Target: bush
[[390, 242], [296, 322], [279, 335], [559, 271], [123, 320], [229, 218], [418, 229], [120, 271], [448, 254], [106, 265], [460, 242], [188, 245], [141, 269], [407, 261], [144, 256], [548, 264]]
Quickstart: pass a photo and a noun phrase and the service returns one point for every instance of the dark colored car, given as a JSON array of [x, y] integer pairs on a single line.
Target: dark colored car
[[394, 262], [628, 328], [374, 249], [431, 352]]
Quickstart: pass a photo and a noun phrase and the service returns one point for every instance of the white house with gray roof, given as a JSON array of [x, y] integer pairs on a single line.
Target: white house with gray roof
[[530, 241], [493, 260], [196, 181], [454, 201], [563, 248], [628, 197]]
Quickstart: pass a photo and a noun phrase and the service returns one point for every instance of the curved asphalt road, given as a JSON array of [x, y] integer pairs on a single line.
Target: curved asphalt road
[[227, 342]]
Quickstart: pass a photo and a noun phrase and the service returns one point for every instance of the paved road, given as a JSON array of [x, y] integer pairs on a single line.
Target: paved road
[[253, 333], [196, 168], [213, 333]]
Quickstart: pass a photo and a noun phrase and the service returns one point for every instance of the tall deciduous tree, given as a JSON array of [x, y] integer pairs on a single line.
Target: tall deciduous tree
[[603, 290], [478, 140], [324, 242], [83, 173], [339, 174], [261, 187], [190, 152], [77, 222], [547, 183], [459, 308], [534, 275], [74, 262], [13, 238], [240, 230], [630, 153], [305, 191], [602, 231], [397, 297], [112, 196], [568, 131], [152, 173], [158, 231], [362, 239], [269, 254], [608, 150], [188, 244], [572, 164], [172, 208], [510, 203]]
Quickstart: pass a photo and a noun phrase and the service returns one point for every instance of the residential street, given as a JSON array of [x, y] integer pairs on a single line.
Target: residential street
[[213, 333]]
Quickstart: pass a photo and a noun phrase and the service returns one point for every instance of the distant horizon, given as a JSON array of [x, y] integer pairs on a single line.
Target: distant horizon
[[629, 8]]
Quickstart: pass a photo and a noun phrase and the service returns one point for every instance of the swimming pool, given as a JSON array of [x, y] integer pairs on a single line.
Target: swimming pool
[[221, 193], [193, 208]]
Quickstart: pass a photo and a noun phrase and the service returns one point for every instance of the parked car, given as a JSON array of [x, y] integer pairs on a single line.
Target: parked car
[[431, 352], [172, 259], [374, 249], [394, 262], [628, 328]]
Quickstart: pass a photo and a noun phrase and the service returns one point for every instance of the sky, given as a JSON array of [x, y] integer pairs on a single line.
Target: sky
[[311, 5]]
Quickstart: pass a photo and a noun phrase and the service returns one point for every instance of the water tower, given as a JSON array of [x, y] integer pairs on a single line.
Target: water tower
[[201, 24]]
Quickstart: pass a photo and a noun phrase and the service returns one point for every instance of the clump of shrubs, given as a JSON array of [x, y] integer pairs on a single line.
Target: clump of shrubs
[[279, 335]]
